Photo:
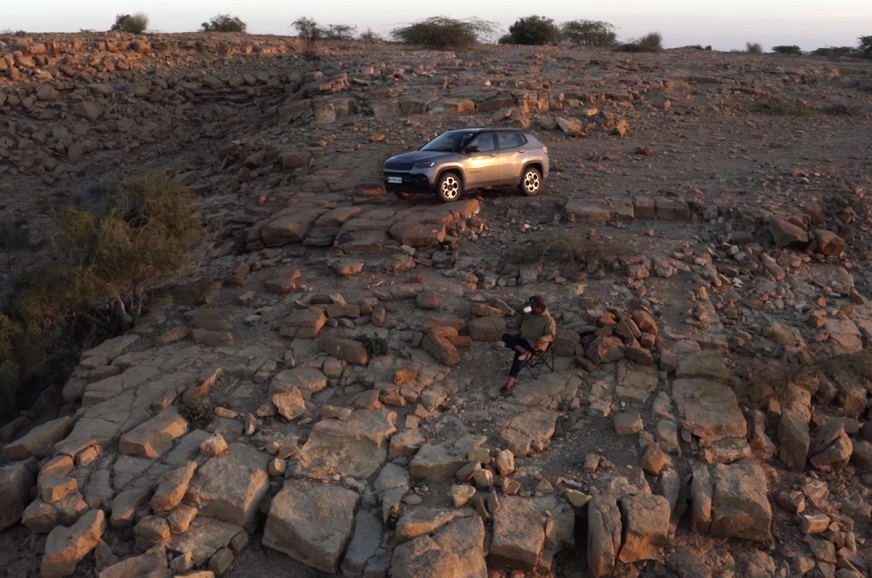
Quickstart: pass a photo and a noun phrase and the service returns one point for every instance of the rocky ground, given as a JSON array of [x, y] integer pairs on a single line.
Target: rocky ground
[[703, 242]]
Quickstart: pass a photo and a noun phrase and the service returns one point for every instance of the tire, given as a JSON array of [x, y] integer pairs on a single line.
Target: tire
[[404, 195], [450, 187], [531, 182]]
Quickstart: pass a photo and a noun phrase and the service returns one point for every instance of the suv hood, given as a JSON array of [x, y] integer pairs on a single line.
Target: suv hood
[[421, 156]]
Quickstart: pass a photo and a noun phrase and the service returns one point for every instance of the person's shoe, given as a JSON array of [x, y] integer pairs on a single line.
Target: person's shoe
[[508, 387]]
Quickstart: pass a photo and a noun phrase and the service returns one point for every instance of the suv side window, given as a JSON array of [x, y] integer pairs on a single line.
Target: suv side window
[[484, 142], [509, 140]]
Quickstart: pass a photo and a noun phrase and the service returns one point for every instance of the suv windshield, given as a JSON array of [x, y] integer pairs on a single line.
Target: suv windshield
[[450, 142]]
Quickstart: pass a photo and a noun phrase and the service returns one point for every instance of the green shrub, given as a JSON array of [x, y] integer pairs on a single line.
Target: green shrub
[[792, 50], [224, 23], [10, 384], [134, 24], [340, 32], [309, 32], [865, 47], [649, 43], [588, 33], [573, 251], [754, 48], [198, 412], [443, 33], [14, 236], [370, 37], [375, 344], [776, 105], [114, 256], [836, 52], [532, 30]]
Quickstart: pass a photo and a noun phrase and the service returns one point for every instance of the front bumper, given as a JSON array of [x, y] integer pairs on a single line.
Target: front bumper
[[407, 182]]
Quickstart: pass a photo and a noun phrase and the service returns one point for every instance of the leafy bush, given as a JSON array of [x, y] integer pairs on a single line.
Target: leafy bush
[[309, 32], [441, 33], [573, 251], [754, 48], [340, 32], [776, 105], [14, 236], [224, 23], [866, 46], [651, 42], [370, 37], [134, 24], [836, 52], [532, 30], [131, 242], [791, 50], [588, 33], [198, 412], [375, 345]]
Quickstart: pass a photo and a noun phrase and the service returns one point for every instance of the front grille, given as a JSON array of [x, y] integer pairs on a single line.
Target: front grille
[[398, 166]]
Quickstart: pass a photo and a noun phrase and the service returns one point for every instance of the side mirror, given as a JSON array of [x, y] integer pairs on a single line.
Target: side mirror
[[473, 149]]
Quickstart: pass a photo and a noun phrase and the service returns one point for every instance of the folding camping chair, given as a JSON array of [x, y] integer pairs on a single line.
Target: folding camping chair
[[539, 360]]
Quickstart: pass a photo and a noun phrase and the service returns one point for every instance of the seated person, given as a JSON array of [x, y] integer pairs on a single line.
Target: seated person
[[537, 331]]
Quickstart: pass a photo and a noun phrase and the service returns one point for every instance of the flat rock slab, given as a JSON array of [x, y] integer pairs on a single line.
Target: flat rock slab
[[603, 534], [519, 530], [204, 537], [66, 547], [110, 387], [354, 447], [38, 441], [708, 363], [424, 521], [288, 227], [646, 527], [439, 462], [154, 437], [112, 348], [311, 522], [307, 380], [455, 550], [447, 212], [16, 482], [364, 543], [529, 430], [740, 506], [230, 487], [549, 388], [710, 409], [360, 242]]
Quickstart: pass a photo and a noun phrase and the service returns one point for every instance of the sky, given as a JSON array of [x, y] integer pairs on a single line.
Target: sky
[[725, 25]]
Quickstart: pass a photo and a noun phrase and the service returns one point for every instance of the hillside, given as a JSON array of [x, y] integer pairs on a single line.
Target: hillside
[[703, 243]]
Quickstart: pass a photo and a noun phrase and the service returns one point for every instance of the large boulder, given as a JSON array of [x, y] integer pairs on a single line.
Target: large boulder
[[454, 550], [312, 523], [66, 547], [16, 482], [646, 527], [354, 447], [154, 437], [288, 227], [740, 506], [489, 328], [40, 439], [603, 534], [710, 409], [230, 487], [344, 348]]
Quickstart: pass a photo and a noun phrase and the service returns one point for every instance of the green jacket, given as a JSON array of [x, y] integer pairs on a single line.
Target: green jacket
[[540, 328]]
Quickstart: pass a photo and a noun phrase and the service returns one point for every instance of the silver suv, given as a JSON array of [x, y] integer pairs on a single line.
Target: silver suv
[[460, 160]]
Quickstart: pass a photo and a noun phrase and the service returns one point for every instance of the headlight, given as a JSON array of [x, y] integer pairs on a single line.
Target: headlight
[[424, 165]]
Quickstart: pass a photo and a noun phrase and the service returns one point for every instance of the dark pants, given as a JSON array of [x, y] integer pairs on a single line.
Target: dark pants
[[513, 341]]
